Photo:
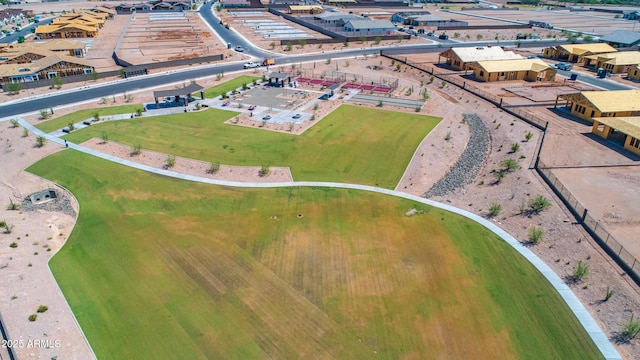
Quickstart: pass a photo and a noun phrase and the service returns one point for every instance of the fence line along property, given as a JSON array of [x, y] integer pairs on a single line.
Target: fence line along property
[[629, 263]]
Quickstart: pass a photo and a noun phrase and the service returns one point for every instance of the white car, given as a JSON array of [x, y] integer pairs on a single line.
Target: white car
[[251, 65], [239, 48]]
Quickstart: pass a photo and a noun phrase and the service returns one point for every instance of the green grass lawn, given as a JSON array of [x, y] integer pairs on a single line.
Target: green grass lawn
[[353, 144], [229, 85], [158, 268], [81, 115]]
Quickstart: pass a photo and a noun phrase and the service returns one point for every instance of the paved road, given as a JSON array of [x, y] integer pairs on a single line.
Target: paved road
[[26, 30], [595, 332], [591, 79]]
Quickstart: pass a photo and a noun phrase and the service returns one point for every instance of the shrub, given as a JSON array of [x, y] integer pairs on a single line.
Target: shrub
[[515, 147], [380, 103], [581, 271], [7, 227], [528, 136], [264, 170], [608, 294], [535, 235], [44, 114], [42, 308], [13, 245], [12, 205], [40, 141], [135, 150], [214, 167], [25, 133], [499, 176], [14, 88], [631, 329], [510, 164], [494, 209], [288, 47], [33, 317], [105, 136], [539, 204], [14, 123], [377, 40], [448, 136], [170, 161], [96, 116]]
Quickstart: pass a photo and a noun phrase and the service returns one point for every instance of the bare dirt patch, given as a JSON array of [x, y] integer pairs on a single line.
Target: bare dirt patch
[[25, 278], [190, 166]]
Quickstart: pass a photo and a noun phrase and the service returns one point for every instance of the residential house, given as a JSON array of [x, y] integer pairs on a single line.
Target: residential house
[[368, 27], [615, 63], [460, 57], [513, 69], [596, 104], [66, 31], [622, 38], [55, 65], [305, 9], [576, 52], [625, 130], [634, 73]]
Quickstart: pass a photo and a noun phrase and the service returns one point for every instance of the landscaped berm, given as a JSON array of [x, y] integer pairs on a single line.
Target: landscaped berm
[[352, 144], [159, 268]]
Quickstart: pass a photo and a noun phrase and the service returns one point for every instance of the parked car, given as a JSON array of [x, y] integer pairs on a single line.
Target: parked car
[[251, 107], [226, 103], [564, 66], [443, 37], [266, 117], [239, 48], [430, 33], [297, 116], [250, 65]]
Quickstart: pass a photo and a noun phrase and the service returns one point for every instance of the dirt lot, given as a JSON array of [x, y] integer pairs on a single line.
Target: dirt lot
[[586, 22], [156, 37]]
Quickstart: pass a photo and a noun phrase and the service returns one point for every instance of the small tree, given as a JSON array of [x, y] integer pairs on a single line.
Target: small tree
[[71, 126], [456, 35], [105, 137], [448, 136], [345, 44], [494, 209], [302, 43], [25, 132], [33, 317], [443, 84], [528, 136], [139, 112], [288, 47], [535, 235], [42, 308], [515, 147], [499, 176], [272, 45], [479, 37], [14, 123], [380, 103], [539, 204], [510, 165], [362, 39], [95, 76], [57, 82], [40, 141], [14, 88]]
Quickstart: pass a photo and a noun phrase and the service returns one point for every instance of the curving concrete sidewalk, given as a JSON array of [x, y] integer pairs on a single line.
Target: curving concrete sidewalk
[[588, 322]]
